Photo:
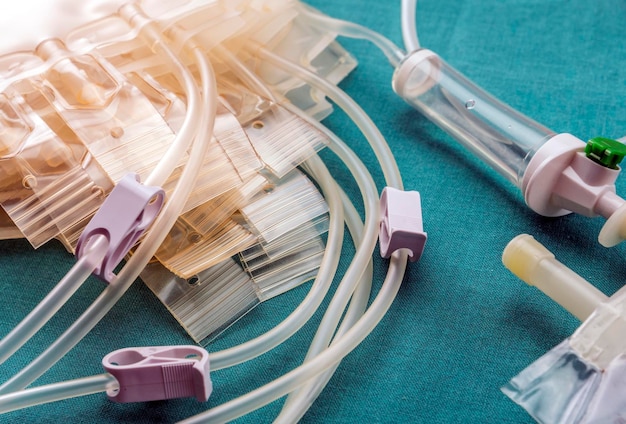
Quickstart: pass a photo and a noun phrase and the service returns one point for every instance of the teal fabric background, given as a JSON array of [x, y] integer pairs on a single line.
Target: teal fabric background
[[462, 326]]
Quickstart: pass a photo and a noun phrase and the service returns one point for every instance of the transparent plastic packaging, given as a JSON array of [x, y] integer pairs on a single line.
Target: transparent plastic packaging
[[563, 387], [285, 243], [293, 202], [499, 135], [208, 302], [270, 23], [283, 140], [282, 274]]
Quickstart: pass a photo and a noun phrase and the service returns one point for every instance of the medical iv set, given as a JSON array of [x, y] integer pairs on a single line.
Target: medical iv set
[[182, 136]]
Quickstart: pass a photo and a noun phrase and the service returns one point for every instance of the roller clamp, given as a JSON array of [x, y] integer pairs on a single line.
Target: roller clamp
[[159, 373], [401, 223], [125, 215]]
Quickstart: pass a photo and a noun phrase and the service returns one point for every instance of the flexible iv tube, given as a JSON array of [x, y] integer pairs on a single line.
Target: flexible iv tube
[[299, 401], [409, 29], [144, 252], [302, 398], [57, 391], [54, 300], [189, 127], [381, 304], [352, 30], [310, 304]]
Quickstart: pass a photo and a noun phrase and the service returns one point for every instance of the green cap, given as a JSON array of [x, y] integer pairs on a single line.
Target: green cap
[[605, 151]]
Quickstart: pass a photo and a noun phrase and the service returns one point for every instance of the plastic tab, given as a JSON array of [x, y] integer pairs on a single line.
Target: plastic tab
[[605, 151], [401, 223], [125, 215], [158, 373]]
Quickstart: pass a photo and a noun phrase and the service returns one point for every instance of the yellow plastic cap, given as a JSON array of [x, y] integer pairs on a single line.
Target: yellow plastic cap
[[522, 255]]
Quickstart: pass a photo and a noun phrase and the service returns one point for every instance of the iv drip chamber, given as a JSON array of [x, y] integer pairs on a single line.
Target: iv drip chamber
[[557, 173], [495, 132]]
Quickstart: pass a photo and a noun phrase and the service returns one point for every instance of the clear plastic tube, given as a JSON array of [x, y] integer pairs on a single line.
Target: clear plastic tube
[[361, 119], [370, 319], [498, 134], [348, 29], [306, 309], [54, 300], [409, 29], [244, 73], [255, 347], [299, 401], [58, 391], [144, 252], [189, 128]]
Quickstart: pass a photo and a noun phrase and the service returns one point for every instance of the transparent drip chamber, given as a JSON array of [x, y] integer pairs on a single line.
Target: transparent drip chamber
[[557, 173], [502, 137]]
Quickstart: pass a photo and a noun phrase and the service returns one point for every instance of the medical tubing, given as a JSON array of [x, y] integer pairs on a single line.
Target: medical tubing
[[189, 127], [144, 252], [351, 30], [346, 287], [300, 316], [325, 360], [57, 391], [54, 300], [352, 338], [351, 108], [309, 305], [409, 26], [299, 401]]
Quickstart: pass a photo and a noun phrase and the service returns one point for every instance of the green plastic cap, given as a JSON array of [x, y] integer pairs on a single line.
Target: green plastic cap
[[605, 151]]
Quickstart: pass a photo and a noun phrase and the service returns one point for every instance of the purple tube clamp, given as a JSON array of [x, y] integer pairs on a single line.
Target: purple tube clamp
[[159, 373], [401, 223], [125, 215]]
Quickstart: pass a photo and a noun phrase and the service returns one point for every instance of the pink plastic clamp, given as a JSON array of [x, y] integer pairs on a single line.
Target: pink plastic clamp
[[158, 373], [126, 213], [401, 223]]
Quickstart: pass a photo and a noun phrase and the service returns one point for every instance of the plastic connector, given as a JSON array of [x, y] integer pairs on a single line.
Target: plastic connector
[[158, 373], [125, 215], [537, 266], [562, 178], [401, 223]]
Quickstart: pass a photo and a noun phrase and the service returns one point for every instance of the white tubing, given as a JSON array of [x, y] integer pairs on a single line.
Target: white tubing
[[314, 298], [144, 252], [351, 30], [299, 401], [351, 108], [54, 300], [366, 324], [409, 27], [58, 391]]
